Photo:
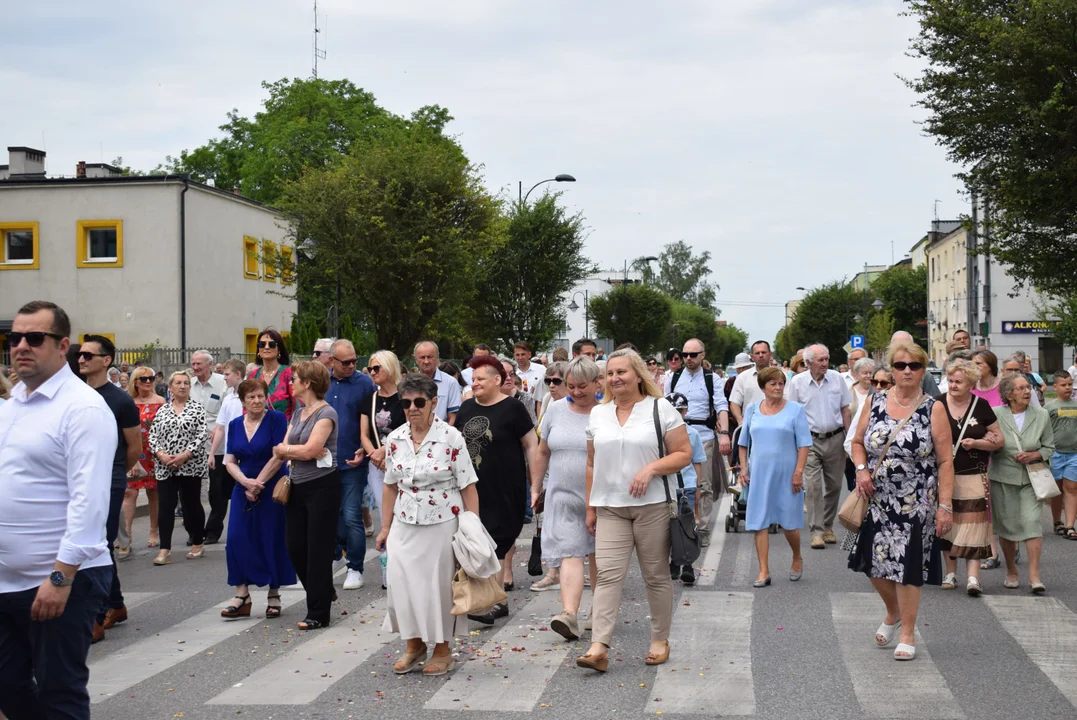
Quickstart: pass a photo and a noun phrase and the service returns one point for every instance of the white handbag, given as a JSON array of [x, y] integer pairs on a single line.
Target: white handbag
[[1041, 477]]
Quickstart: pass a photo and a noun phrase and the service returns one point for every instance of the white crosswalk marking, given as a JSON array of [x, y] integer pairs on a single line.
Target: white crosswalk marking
[[911, 689], [1047, 631], [710, 667], [510, 672], [312, 668], [142, 660], [131, 600], [708, 571]]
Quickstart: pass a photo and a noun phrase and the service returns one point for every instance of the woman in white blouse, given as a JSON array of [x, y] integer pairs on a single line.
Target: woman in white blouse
[[626, 503], [429, 479]]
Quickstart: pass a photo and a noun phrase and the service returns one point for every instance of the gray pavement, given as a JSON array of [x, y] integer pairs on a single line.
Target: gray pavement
[[799, 650]]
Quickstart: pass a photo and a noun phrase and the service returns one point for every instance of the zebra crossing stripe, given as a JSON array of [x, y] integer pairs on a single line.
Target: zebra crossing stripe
[[1047, 631], [911, 689], [142, 660], [710, 666], [708, 571], [314, 666], [131, 600], [510, 672]]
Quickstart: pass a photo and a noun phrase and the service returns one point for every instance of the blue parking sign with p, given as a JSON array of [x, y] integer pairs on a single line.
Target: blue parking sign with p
[[856, 341]]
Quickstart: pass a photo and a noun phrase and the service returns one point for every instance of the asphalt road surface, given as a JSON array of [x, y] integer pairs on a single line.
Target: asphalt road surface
[[801, 650]]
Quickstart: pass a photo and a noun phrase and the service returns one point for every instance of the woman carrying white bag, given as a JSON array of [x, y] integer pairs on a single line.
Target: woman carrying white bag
[[429, 481]]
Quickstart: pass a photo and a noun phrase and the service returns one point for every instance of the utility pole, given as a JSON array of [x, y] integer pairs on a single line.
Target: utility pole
[[319, 54]]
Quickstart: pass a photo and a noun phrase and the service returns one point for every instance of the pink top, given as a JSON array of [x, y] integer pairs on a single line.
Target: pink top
[[992, 396]]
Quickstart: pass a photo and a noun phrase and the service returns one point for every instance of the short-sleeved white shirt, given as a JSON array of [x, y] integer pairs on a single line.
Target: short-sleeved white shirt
[[822, 400], [231, 408], [746, 389], [621, 452]]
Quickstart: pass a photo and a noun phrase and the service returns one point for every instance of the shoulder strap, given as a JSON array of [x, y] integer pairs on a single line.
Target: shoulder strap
[[965, 425], [708, 381], [662, 452], [676, 377], [893, 436], [373, 414]]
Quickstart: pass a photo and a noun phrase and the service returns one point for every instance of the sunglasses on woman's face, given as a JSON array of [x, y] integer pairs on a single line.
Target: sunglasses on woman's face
[[145, 379], [553, 381], [268, 344], [914, 366], [419, 403], [881, 383], [375, 369]]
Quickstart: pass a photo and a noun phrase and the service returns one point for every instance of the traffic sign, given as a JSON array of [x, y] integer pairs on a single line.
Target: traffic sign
[[856, 341]]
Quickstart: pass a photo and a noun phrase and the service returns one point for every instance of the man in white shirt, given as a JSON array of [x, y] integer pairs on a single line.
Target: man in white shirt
[[826, 400], [427, 357], [746, 388], [531, 373], [854, 355], [208, 388], [480, 350], [58, 441], [708, 411]]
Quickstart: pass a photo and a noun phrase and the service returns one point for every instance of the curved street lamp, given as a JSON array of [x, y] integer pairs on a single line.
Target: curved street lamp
[[563, 177]]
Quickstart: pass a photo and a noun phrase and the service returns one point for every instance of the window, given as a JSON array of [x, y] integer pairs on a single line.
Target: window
[[269, 261], [287, 265], [100, 243], [18, 246], [250, 258], [250, 343]]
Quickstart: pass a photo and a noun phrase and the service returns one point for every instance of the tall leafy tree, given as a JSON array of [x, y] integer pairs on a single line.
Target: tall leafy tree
[[682, 275], [881, 328], [904, 293], [523, 283], [731, 340], [826, 316], [404, 220], [635, 313]]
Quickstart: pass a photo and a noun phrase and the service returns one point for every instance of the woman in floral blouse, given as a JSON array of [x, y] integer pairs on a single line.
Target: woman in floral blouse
[[275, 372], [429, 479]]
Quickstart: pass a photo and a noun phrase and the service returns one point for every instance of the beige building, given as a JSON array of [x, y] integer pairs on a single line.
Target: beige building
[[947, 289], [142, 260]]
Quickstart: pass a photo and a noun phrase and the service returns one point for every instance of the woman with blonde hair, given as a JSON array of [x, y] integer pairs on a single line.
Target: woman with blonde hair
[[142, 477], [380, 416], [626, 500]]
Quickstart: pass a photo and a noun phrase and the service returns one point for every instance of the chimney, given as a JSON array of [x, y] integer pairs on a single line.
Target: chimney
[[80, 169], [26, 162]]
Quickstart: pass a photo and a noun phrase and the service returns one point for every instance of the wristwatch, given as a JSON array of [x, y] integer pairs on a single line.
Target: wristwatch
[[861, 467], [58, 579], [723, 432]]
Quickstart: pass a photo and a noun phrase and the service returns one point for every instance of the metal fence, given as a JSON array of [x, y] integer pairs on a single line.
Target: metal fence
[[168, 360]]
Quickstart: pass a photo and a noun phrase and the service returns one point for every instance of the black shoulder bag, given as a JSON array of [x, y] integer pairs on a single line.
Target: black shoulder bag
[[684, 540]]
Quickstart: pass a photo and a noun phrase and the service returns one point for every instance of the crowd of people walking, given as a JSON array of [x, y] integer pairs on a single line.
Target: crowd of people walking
[[296, 455]]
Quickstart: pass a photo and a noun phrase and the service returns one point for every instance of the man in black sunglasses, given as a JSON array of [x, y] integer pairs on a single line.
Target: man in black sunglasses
[[59, 442]]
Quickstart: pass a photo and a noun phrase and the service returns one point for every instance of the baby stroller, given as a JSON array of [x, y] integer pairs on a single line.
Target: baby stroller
[[738, 507]]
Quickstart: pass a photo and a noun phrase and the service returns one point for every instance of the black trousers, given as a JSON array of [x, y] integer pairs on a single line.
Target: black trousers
[[114, 600], [312, 536], [194, 516], [220, 492]]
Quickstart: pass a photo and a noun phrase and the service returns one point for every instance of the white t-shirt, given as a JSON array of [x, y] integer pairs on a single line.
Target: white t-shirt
[[231, 408], [533, 378], [621, 452], [746, 389], [1073, 371], [1019, 420]]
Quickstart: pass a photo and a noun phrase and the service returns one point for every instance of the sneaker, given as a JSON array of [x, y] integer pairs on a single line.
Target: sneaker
[[354, 581], [817, 542], [566, 625], [688, 575], [705, 540], [338, 564], [829, 537], [546, 583]]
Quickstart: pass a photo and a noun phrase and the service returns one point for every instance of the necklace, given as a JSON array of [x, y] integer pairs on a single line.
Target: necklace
[[901, 404]]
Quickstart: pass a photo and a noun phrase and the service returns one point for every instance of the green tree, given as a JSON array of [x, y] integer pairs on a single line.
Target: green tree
[[633, 313], [826, 316], [691, 321], [403, 221], [523, 283], [881, 328], [682, 275], [784, 347], [1001, 98], [903, 291], [731, 340]]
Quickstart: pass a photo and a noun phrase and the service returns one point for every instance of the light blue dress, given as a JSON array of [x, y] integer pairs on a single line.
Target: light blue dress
[[772, 442]]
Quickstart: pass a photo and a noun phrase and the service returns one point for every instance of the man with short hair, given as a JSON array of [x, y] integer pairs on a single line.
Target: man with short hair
[[95, 357], [208, 389], [58, 442], [709, 412], [531, 373], [826, 400], [854, 355], [962, 337], [349, 393], [585, 346], [124, 367], [428, 358], [322, 352], [746, 385], [480, 350], [1015, 365]]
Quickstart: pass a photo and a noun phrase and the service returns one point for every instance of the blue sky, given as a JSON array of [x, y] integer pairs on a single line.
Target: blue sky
[[773, 133]]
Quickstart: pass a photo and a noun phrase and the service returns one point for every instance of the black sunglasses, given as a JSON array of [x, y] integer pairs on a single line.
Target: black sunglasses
[[419, 403], [651, 362], [268, 344], [914, 366], [881, 383], [346, 363], [317, 353], [552, 381], [692, 355], [88, 356], [147, 379], [33, 339], [374, 369]]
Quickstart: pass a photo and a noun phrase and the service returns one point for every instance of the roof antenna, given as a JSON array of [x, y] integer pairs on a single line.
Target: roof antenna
[[319, 53]]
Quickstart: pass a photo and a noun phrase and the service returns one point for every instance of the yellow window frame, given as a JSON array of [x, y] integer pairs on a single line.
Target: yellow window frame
[[21, 265], [251, 260], [250, 342], [287, 265], [269, 261], [82, 250]]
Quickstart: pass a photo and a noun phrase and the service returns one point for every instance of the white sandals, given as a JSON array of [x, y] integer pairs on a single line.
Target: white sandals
[[904, 651], [973, 587], [949, 580], [887, 632]]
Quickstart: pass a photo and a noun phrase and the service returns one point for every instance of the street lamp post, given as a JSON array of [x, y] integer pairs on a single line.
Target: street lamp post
[[573, 307], [563, 177]]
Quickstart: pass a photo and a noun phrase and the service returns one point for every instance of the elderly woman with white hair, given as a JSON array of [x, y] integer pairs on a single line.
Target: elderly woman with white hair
[[976, 434], [381, 416]]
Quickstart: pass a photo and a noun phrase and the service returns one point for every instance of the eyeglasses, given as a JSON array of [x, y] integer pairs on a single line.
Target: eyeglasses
[[552, 381], [317, 353], [147, 379], [88, 356], [346, 363], [692, 355], [881, 383], [914, 366], [33, 339], [419, 403], [268, 344], [651, 362], [375, 369]]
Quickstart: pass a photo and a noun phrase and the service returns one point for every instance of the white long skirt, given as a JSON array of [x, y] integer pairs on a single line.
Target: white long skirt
[[421, 567]]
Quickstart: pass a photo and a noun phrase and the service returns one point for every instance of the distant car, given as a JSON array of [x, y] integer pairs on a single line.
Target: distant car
[[936, 373], [730, 371]]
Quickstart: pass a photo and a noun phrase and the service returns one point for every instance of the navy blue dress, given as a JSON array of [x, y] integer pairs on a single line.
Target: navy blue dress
[[256, 549]]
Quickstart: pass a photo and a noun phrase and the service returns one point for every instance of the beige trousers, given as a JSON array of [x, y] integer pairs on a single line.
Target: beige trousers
[[705, 483], [645, 529]]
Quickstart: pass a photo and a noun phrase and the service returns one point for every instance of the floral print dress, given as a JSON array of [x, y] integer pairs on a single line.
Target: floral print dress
[[146, 414], [280, 390], [897, 539]]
